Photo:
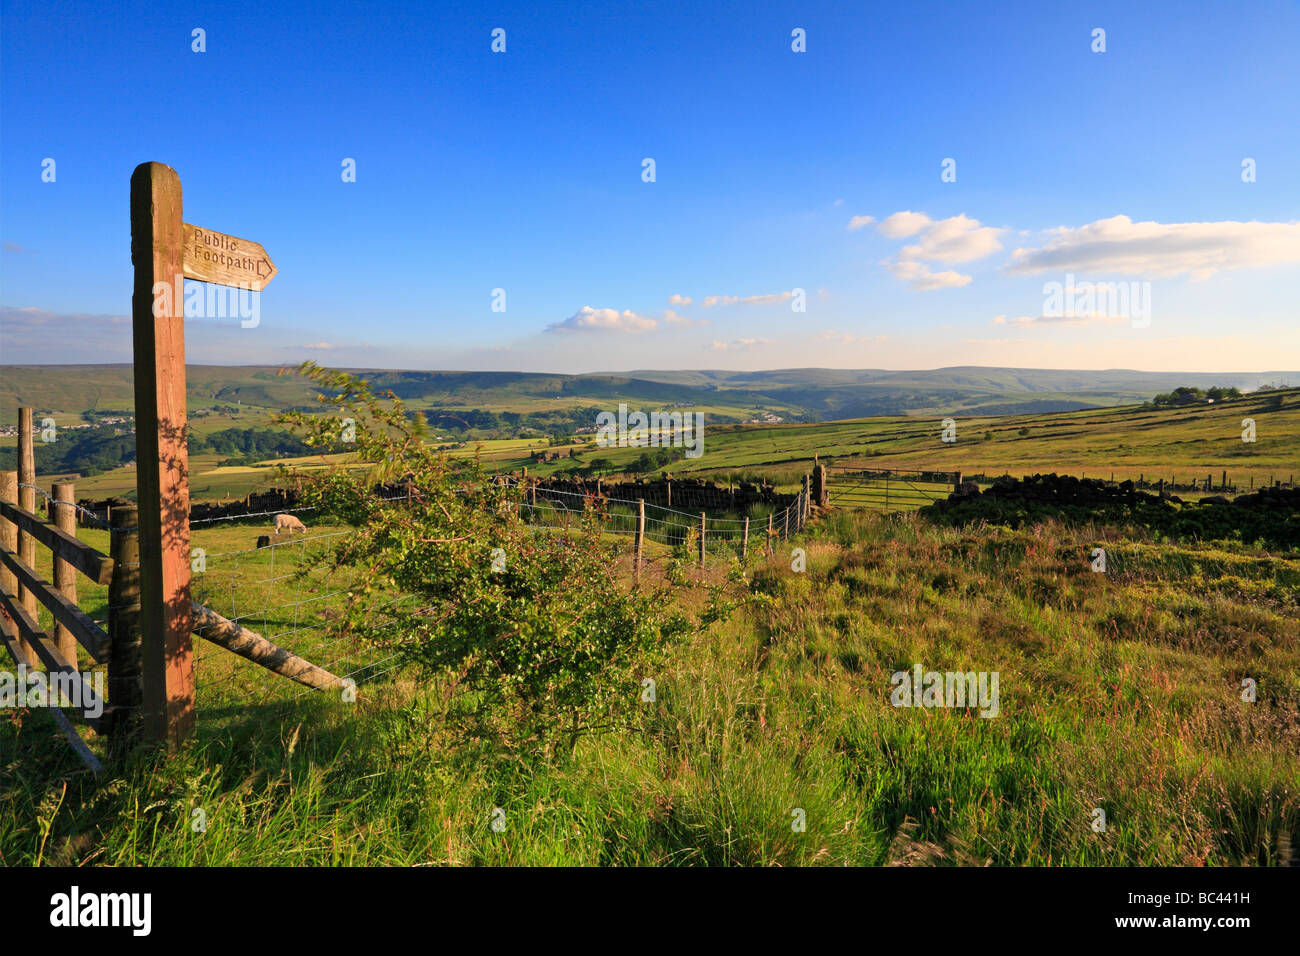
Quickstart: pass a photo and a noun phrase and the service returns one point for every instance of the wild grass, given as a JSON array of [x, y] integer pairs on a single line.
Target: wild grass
[[1119, 691]]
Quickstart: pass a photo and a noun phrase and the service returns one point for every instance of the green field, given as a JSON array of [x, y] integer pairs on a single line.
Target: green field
[[1128, 442]]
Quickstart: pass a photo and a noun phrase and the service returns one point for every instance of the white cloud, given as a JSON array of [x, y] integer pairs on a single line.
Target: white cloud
[[1197, 249], [774, 297], [859, 222], [903, 224], [588, 319], [672, 318], [848, 338], [1083, 318], [739, 345], [919, 276], [952, 240], [676, 299]]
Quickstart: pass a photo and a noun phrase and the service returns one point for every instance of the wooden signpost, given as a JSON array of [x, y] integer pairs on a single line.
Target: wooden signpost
[[211, 256], [162, 248]]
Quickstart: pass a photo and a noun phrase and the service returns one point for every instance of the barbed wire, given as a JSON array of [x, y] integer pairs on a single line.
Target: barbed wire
[[50, 499]]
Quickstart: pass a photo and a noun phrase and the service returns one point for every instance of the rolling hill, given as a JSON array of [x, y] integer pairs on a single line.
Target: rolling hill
[[807, 395]]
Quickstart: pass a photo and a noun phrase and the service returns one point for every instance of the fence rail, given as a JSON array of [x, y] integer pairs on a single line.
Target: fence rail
[[22, 589]]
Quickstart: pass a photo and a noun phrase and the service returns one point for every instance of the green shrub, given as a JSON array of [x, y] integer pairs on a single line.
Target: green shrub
[[528, 633]]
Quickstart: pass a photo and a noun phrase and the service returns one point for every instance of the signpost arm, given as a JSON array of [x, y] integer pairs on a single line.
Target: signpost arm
[[161, 456]]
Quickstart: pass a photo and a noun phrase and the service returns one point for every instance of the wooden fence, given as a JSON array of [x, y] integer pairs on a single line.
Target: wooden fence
[[23, 591], [146, 647]]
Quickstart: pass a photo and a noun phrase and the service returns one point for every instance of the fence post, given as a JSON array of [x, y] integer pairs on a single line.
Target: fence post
[[701, 539], [820, 494], [769, 532], [669, 486], [640, 537], [125, 690], [785, 531], [26, 501], [65, 575], [162, 460], [956, 483], [744, 541], [9, 540]]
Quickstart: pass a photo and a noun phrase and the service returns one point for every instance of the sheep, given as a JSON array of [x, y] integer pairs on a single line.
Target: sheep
[[290, 523]]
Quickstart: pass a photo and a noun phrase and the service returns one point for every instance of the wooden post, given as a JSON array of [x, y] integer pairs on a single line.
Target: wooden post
[[640, 537], [785, 531], [9, 540], [26, 501], [1223, 485], [807, 496], [254, 647], [65, 575], [1161, 487], [701, 539], [956, 483], [125, 691], [162, 461], [744, 541], [769, 532], [669, 484]]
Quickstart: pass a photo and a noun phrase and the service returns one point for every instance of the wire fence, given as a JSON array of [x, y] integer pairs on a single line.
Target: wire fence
[[760, 524]]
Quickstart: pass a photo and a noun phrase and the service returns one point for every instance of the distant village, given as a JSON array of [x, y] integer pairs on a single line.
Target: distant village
[[11, 431]]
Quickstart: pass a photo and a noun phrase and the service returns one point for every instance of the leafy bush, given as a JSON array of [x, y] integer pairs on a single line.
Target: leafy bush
[[528, 633]]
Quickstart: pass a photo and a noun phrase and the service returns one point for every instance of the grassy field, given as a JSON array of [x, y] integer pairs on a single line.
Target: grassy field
[[1119, 691], [1127, 442]]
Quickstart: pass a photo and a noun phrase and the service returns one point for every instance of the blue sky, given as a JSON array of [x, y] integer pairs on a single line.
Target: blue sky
[[522, 171]]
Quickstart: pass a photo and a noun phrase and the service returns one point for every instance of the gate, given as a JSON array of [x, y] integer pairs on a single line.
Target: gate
[[885, 489]]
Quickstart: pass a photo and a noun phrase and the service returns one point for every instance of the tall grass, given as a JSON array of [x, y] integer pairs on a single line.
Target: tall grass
[[1119, 691]]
